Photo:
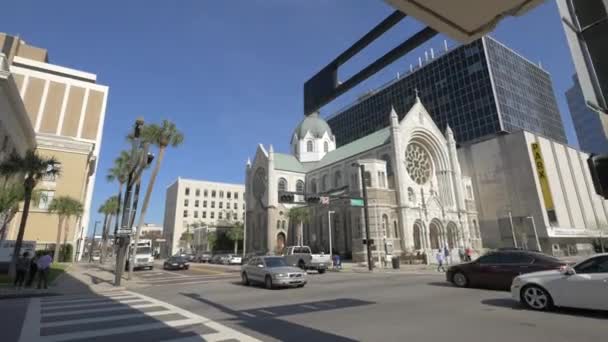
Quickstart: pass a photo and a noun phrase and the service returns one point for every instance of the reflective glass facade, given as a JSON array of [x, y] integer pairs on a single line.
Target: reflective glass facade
[[462, 89], [587, 123]]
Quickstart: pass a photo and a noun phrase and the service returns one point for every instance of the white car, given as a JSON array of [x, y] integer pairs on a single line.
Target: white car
[[235, 260], [584, 286]]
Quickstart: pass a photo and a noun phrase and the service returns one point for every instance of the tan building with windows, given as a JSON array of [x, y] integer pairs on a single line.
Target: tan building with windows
[[66, 108]]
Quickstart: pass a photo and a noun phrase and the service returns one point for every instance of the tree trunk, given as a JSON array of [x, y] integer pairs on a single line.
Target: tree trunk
[[66, 232], [133, 251], [300, 234], [236, 246], [27, 198], [144, 207], [118, 210], [58, 240], [104, 239]]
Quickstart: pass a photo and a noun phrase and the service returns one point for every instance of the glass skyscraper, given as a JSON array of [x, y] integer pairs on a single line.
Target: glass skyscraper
[[479, 89], [587, 123]]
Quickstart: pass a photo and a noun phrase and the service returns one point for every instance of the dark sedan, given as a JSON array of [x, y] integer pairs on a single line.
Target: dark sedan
[[176, 263], [496, 270]]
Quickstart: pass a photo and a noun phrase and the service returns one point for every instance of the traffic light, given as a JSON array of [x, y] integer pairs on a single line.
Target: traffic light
[[313, 199], [598, 167], [286, 198]]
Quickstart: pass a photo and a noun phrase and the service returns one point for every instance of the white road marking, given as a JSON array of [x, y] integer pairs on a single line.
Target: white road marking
[[309, 306], [92, 300], [104, 319], [79, 312], [29, 329], [97, 304], [248, 314], [266, 312]]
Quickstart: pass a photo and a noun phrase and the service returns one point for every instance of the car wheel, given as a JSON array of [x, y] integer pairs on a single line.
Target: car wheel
[[268, 282], [536, 298], [321, 270], [244, 279], [460, 279]]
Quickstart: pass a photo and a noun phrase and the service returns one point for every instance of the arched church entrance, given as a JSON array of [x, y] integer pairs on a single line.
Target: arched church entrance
[[452, 235], [434, 232], [417, 235], [280, 242]]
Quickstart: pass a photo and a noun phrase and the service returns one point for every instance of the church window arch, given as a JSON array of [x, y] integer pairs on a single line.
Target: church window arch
[[337, 179], [282, 184], [368, 178], [300, 186], [313, 186], [309, 146], [385, 226], [324, 183], [325, 147]]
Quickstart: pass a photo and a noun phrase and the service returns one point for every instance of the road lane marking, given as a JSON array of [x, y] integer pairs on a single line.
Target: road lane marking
[[96, 304], [248, 314], [117, 308], [104, 319], [29, 329], [266, 312], [92, 300]]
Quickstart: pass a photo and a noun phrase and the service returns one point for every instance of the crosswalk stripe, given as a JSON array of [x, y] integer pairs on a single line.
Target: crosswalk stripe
[[90, 300], [78, 312], [97, 304], [104, 319], [121, 330]]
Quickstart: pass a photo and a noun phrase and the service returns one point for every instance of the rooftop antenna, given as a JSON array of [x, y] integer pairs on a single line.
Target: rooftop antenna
[[426, 56], [445, 45]]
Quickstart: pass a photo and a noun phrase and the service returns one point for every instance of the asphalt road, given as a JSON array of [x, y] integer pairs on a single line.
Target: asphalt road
[[182, 306]]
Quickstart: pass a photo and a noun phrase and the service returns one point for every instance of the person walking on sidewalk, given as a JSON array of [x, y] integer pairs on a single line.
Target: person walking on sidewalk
[[23, 264], [32, 273], [44, 264], [440, 258], [446, 254]]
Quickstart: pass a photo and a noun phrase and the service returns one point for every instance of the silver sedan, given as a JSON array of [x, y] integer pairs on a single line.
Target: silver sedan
[[273, 272]]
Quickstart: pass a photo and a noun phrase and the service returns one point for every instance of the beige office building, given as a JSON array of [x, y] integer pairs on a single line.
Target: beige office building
[[66, 108], [209, 204]]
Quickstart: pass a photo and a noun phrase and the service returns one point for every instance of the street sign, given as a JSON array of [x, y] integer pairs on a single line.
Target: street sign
[[324, 200], [124, 231], [356, 202]]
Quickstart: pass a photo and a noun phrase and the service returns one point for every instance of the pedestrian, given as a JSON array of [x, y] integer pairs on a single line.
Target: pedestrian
[[22, 267], [446, 253], [440, 257], [469, 253], [44, 264], [33, 270]]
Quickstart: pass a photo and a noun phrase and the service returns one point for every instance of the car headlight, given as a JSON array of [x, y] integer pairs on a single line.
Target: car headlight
[[281, 275]]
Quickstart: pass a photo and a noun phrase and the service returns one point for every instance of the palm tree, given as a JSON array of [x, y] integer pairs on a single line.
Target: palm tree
[[10, 197], [33, 167], [300, 216], [108, 209], [162, 137], [236, 234], [65, 207], [119, 172]]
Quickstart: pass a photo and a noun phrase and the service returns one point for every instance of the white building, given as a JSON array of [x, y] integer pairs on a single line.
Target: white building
[[192, 203], [416, 191], [540, 183]]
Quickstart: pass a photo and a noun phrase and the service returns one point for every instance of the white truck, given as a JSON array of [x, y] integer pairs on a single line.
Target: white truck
[[302, 257], [143, 254]]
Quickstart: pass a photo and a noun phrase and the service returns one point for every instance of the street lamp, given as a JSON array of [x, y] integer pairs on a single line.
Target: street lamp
[[377, 232], [365, 213]]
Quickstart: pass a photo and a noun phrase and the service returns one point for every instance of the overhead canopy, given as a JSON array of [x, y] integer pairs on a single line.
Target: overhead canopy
[[463, 20]]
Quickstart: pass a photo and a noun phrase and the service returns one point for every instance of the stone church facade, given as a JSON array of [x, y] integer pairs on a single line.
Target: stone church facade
[[418, 199]]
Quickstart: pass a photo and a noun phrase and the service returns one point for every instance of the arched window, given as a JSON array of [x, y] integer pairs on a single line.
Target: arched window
[[299, 186], [278, 224], [283, 224], [325, 147], [324, 183], [282, 184], [313, 186], [411, 196], [368, 179], [385, 226], [309, 146], [337, 179]]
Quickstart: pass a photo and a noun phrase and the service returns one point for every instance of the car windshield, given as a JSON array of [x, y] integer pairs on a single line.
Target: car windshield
[[275, 262], [176, 259], [144, 250]]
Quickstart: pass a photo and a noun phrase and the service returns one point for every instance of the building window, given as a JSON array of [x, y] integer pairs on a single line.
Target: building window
[[196, 204], [219, 215], [381, 179], [212, 204], [236, 195], [325, 147], [221, 194], [283, 224], [213, 193], [196, 214], [313, 186], [212, 214], [205, 193], [324, 183], [396, 228], [204, 214], [278, 224], [228, 194], [282, 184], [185, 213], [49, 176], [235, 206], [186, 202], [204, 204], [299, 186], [385, 227], [309, 146], [220, 204], [368, 179], [197, 192], [46, 197], [187, 191], [469, 192]]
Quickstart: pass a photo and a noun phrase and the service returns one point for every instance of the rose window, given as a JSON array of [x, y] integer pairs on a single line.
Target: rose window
[[418, 163]]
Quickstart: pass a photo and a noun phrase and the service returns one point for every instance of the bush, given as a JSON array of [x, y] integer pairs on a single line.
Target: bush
[[65, 253]]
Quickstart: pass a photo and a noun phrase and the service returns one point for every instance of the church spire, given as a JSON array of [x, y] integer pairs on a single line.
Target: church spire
[[394, 118]]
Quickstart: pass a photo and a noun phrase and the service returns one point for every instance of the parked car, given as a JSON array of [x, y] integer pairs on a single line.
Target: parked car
[[584, 286], [204, 257], [225, 259], [497, 269], [235, 260], [176, 263], [215, 259], [302, 257], [272, 271]]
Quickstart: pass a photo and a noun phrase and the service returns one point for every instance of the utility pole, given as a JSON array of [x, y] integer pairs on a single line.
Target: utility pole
[[366, 215], [329, 225], [93, 242]]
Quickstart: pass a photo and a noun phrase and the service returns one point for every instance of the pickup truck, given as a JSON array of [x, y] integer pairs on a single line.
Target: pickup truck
[[302, 257]]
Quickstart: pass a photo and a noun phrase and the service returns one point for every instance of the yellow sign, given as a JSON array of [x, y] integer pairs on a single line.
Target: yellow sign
[[542, 176]]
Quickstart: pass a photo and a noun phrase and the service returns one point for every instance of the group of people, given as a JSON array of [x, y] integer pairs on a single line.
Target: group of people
[[29, 267], [443, 255]]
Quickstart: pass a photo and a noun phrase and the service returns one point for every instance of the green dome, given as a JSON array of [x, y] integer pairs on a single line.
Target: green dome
[[314, 124]]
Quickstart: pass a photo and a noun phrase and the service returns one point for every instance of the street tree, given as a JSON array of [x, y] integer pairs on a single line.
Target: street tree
[[30, 168], [236, 234], [300, 216], [162, 136], [119, 172], [65, 207], [109, 209]]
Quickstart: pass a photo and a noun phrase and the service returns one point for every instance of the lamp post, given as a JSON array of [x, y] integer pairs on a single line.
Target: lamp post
[[378, 244], [329, 225], [535, 233], [365, 214]]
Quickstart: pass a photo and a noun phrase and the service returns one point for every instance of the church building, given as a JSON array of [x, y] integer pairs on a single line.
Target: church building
[[418, 199]]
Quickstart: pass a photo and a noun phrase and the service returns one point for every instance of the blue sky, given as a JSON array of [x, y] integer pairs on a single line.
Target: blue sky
[[230, 73]]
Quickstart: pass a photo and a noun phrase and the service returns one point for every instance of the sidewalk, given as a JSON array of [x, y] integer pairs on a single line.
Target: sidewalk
[[403, 269]]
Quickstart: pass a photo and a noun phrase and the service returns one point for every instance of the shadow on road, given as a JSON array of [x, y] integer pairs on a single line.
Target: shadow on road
[[267, 320], [515, 305]]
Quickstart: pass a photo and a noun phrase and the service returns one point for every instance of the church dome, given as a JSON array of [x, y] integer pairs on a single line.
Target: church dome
[[314, 124]]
